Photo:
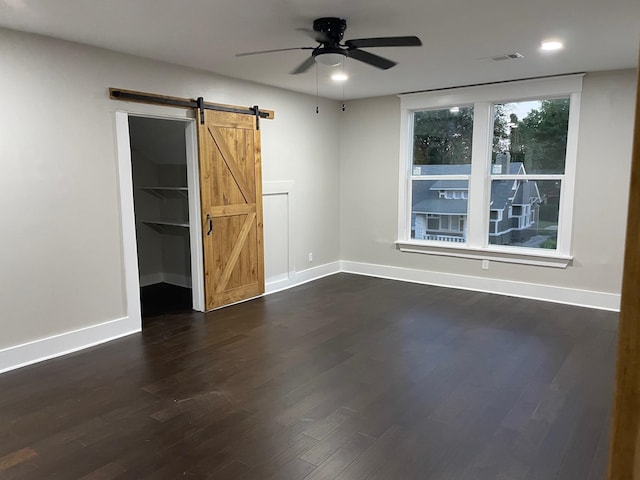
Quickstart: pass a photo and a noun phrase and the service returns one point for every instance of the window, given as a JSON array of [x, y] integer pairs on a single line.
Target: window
[[491, 170], [529, 155], [433, 222], [440, 166]]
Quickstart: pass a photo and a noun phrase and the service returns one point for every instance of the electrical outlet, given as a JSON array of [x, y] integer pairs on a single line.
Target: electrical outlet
[[485, 264], [310, 257]]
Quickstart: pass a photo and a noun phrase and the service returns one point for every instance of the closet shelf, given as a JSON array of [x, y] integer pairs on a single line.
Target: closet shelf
[[166, 223], [165, 191]]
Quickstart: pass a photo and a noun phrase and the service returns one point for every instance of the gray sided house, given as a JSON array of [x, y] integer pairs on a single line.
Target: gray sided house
[[439, 207]]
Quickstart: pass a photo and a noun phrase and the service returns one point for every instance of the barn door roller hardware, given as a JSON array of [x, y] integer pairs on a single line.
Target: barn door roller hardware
[[200, 104]]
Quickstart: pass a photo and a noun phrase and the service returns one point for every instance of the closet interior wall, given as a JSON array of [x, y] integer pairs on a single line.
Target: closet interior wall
[[159, 168]]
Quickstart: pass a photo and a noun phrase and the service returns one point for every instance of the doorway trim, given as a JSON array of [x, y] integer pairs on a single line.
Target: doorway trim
[[127, 212]]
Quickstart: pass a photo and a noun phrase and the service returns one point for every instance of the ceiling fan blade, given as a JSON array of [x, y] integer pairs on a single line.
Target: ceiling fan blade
[[371, 59], [384, 42], [304, 66], [270, 51], [320, 37]]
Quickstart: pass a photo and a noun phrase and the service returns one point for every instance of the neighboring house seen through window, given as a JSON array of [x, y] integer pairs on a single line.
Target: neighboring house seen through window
[[491, 167]]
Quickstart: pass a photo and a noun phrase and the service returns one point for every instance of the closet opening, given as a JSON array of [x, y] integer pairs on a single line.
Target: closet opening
[[166, 210]]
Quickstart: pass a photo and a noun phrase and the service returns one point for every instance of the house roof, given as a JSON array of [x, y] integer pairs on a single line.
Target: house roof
[[526, 191], [450, 185], [501, 192], [441, 206], [426, 199]]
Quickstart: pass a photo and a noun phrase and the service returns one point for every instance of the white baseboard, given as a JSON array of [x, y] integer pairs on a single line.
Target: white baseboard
[[57, 345], [548, 293], [281, 277], [303, 276], [64, 343]]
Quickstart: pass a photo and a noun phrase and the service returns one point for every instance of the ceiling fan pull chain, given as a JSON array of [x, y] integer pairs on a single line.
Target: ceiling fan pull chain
[[317, 94], [343, 105]]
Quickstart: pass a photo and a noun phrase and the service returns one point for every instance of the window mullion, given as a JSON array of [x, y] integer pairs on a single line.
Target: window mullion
[[565, 215], [479, 181], [404, 177]]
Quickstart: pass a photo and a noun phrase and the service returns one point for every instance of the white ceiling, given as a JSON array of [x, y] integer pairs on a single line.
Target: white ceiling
[[458, 36]]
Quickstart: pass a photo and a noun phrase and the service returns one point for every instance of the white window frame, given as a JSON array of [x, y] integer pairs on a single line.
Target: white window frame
[[483, 98]]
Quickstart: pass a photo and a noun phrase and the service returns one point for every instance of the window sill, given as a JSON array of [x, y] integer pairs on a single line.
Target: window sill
[[497, 255]]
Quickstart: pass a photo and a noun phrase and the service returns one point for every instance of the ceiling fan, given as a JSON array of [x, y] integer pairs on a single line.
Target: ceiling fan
[[328, 32]]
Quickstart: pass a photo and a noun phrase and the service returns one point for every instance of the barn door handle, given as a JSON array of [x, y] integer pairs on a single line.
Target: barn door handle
[[210, 221]]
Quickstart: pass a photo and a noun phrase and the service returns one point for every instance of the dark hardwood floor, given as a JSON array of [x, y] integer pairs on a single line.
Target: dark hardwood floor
[[163, 299], [348, 377]]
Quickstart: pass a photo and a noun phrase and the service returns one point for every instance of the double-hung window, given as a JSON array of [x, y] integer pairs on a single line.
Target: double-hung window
[[488, 171]]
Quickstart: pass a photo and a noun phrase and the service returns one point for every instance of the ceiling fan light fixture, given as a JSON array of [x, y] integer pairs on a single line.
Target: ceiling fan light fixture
[[330, 59]]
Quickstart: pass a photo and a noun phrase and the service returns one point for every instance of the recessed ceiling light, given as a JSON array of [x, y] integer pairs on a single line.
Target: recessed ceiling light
[[551, 45], [339, 77]]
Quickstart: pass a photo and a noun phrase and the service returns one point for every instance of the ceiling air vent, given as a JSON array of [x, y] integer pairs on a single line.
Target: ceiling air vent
[[508, 56]]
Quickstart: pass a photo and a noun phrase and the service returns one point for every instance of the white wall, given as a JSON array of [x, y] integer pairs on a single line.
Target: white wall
[[61, 263], [369, 198]]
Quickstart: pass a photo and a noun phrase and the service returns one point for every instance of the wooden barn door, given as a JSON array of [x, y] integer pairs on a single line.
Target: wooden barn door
[[231, 198]]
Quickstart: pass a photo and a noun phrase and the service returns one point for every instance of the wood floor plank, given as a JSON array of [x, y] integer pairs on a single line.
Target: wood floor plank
[[16, 458], [376, 456], [342, 457], [344, 377], [345, 433]]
